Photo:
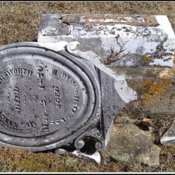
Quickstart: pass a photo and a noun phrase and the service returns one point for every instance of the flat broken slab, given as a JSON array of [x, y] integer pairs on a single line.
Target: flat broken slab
[[117, 41], [130, 144]]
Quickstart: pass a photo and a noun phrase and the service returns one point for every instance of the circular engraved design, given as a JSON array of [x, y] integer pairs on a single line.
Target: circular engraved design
[[46, 99]]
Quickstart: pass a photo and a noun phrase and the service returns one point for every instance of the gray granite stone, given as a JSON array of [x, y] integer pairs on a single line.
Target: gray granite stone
[[130, 144]]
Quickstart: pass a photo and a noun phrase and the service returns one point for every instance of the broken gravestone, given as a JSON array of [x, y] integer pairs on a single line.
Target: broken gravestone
[[50, 99], [62, 91]]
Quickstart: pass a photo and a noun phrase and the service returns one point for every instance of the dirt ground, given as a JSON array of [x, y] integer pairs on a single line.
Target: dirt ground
[[19, 22]]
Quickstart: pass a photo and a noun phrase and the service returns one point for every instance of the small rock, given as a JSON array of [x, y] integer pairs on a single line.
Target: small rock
[[60, 151], [95, 156], [130, 144], [169, 137]]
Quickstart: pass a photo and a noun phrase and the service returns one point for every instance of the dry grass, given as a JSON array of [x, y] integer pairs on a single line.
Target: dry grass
[[19, 20], [16, 160]]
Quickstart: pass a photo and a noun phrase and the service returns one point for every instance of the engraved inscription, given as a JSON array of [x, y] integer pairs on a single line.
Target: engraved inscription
[[55, 72], [47, 99], [57, 100], [17, 99], [67, 78], [8, 122], [45, 125], [40, 70], [15, 71], [76, 96], [38, 99], [28, 98], [76, 101]]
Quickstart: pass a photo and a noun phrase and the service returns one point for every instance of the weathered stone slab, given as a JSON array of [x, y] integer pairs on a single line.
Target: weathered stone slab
[[123, 41], [128, 143]]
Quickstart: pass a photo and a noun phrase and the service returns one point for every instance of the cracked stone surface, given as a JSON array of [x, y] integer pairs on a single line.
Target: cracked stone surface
[[129, 144]]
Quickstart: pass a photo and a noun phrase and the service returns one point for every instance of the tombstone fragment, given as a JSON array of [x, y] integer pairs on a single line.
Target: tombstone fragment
[[169, 137], [50, 99]]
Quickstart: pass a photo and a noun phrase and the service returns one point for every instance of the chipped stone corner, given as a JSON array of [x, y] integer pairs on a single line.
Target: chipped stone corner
[[95, 156], [169, 137]]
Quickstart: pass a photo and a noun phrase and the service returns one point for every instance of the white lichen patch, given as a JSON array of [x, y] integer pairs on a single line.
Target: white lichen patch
[[159, 62]]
